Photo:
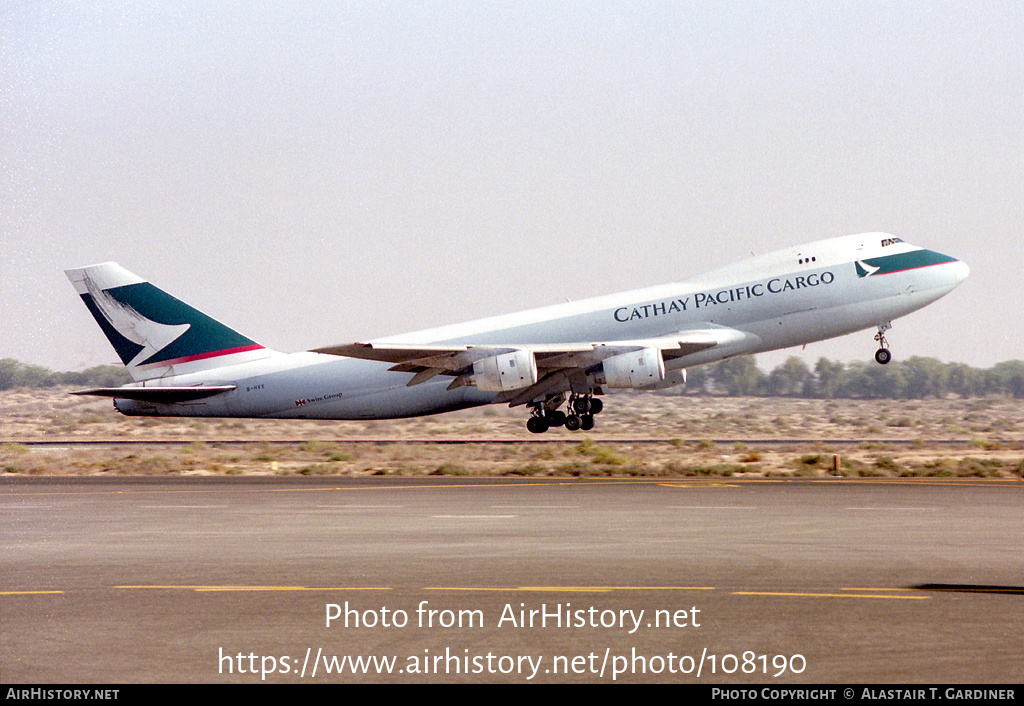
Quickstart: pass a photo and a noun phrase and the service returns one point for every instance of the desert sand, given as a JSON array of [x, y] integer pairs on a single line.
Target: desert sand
[[50, 432]]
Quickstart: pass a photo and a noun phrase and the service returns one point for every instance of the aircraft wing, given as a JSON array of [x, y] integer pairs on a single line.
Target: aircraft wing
[[447, 357], [555, 361]]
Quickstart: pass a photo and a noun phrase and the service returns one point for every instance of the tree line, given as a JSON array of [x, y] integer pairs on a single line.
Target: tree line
[[915, 378], [14, 374]]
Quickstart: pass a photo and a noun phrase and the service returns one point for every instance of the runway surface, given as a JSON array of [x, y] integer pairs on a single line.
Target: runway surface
[[480, 580]]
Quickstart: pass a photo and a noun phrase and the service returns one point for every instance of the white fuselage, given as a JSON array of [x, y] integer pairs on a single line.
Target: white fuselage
[[786, 298]]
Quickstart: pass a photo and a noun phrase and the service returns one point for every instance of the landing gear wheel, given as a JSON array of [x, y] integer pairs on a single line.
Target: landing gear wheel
[[581, 405], [882, 355], [556, 418], [537, 425], [587, 422], [573, 422], [596, 405]]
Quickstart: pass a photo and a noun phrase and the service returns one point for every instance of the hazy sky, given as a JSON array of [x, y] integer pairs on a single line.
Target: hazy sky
[[322, 172]]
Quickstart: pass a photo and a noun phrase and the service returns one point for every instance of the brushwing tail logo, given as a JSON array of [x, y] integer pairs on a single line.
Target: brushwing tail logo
[[864, 269], [153, 337]]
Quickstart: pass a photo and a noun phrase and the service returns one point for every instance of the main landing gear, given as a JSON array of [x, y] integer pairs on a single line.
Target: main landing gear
[[882, 355], [581, 408]]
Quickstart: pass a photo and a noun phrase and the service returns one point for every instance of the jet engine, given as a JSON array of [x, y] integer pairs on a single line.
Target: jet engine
[[642, 368], [509, 371]]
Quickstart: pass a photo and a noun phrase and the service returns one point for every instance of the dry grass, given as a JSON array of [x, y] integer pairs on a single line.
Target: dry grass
[[637, 435]]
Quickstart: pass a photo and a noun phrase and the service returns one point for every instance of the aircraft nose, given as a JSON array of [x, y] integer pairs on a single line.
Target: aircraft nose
[[960, 271]]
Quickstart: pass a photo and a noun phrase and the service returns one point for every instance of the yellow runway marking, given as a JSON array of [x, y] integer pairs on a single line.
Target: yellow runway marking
[[829, 595], [878, 593], [474, 517], [262, 588], [699, 484], [568, 589], [492, 589]]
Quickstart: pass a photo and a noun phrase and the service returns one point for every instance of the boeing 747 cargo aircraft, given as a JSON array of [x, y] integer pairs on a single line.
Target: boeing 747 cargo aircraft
[[185, 363]]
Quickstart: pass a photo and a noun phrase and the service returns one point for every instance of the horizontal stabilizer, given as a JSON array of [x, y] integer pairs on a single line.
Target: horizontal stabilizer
[[158, 395]]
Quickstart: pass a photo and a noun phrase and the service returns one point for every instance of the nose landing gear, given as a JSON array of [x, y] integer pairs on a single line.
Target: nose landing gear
[[882, 355]]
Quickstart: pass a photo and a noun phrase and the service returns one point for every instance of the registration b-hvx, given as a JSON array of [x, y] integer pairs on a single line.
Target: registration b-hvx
[[557, 361]]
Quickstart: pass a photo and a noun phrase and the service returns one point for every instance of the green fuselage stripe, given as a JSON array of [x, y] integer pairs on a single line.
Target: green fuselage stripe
[[902, 262]]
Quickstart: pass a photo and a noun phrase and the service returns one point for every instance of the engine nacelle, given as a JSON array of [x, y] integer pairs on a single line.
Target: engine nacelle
[[509, 371], [643, 368], [672, 378]]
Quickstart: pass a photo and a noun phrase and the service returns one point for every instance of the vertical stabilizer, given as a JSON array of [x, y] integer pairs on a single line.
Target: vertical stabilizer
[[154, 334]]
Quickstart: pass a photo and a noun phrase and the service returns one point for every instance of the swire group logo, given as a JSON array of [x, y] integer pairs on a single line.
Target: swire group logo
[[321, 398]]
